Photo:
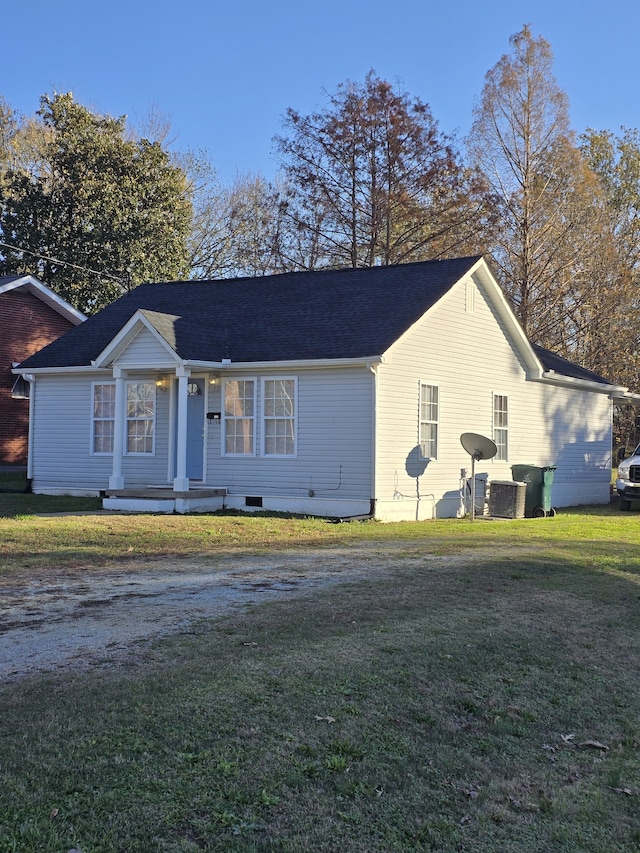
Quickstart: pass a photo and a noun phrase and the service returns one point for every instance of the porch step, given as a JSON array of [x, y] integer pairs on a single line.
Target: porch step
[[166, 493]]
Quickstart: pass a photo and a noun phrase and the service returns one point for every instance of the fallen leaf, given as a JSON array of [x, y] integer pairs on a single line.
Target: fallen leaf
[[567, 738], [594, 744], [54, 813], [327, 719]]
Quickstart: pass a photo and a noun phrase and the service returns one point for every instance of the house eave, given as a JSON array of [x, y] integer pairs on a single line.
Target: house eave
[[214, 366], [40, 371], [613, 391], [288, 364], [47, 296]]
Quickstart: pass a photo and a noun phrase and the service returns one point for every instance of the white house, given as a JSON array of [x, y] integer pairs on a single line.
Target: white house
[[337, 393]]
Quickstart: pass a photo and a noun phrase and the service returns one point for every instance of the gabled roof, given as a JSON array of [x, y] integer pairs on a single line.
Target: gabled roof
[[291, 317], [326, 314], [45, 294]]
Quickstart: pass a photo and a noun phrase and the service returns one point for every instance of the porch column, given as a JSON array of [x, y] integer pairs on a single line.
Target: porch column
[[116, 480], [181, 481]]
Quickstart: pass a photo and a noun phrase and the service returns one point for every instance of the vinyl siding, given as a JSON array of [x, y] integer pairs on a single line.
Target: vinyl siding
[[470, 356], [334, 441], [61, 454], [61, 442], [145, 349]]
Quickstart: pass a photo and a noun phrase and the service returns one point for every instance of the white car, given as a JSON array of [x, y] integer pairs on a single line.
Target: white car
[[628, 480]]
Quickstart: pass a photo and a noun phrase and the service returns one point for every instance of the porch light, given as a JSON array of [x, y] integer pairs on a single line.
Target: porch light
[[213, 380], [162, 383], [21, 389]]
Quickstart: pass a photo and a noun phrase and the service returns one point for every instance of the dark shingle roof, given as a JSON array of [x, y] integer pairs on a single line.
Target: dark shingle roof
[[347, 313], [551, 361]]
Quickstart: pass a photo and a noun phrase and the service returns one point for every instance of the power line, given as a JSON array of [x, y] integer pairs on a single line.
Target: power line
[[124, 282]]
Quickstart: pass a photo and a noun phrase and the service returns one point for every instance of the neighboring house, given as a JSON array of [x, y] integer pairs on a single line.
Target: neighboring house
[[336, 393], [31, 316]]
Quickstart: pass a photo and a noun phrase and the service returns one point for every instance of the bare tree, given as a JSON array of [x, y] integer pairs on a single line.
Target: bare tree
[[550, 207]]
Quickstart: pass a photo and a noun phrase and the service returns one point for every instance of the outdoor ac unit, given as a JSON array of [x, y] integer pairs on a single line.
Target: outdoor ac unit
[[507, 499]]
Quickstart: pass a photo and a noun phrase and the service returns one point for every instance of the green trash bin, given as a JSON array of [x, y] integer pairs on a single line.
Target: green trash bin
[[537, 502]]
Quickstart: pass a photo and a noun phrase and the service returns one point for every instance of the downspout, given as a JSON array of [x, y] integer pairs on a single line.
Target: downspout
[[32, 407], [373, 367]]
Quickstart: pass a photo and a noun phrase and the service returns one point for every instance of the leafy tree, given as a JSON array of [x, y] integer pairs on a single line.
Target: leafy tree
[[93, 199], [371, 179], [616, 162]]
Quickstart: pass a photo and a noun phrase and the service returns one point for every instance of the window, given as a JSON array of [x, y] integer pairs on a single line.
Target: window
[[141, 399], [279, 417], [428, 426], [104, 410], [239, 417], [501, 425]]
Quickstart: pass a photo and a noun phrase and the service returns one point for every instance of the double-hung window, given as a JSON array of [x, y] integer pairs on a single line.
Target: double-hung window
[[103, 417], [141, 404], [428, 421], [239, 417], [501, 425], [279, 417]]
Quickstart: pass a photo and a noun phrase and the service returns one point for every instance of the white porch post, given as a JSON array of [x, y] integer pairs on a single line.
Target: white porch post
[[181, 481], [116, 480]]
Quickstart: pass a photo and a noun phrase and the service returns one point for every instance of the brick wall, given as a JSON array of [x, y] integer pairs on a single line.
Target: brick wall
[[26, 325]]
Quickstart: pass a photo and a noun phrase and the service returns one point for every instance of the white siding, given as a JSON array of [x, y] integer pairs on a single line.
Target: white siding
[[61, 447], [145, 348], [334, 448], [62, 461], [469, 356]]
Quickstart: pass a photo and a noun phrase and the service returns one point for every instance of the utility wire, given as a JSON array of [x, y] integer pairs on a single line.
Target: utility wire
[[124, 282]]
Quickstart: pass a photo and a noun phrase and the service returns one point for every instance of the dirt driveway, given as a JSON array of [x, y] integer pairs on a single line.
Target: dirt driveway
[[76, 618]]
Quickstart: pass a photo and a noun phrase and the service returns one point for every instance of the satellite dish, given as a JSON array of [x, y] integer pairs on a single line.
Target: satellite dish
[[478, 447]]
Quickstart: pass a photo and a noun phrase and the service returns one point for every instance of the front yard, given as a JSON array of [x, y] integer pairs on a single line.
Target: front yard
[[480, 694]]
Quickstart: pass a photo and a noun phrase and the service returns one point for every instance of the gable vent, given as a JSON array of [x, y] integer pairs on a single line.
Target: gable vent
[[470, 303]]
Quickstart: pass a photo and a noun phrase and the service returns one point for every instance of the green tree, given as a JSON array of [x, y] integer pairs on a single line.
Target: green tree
[[371, 180], [93, 199]]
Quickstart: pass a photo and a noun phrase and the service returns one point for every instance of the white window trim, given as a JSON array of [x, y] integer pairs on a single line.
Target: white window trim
[[263, 419], [94, 420], [143, 453], [421, 384], [495, 394], [223, 447]]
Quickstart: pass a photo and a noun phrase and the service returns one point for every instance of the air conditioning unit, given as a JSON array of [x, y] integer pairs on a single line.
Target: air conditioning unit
[[507, 499]]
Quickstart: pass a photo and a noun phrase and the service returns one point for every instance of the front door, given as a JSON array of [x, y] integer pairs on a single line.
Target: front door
[[195, 428]]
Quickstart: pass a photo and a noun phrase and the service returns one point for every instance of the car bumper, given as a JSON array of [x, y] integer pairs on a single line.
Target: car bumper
[[627, 489]]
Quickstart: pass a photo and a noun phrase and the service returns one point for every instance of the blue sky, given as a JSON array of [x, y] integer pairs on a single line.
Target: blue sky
[[225, 72]]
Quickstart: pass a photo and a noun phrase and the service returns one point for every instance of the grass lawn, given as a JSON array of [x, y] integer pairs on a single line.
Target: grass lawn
[[484, 704]]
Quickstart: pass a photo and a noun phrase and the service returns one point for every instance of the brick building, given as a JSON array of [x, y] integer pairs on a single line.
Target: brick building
[[31, 316]]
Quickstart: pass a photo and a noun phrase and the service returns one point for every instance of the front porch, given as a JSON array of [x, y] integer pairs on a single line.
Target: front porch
[[165, 499]]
